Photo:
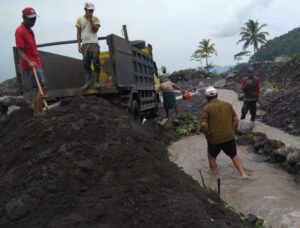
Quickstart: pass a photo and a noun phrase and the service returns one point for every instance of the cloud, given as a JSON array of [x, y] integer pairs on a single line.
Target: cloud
[[239, 12]]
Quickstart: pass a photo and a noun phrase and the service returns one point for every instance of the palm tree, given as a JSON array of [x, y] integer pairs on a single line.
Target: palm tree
[[238, 57], [205, 50], [198, 58], [252, 35]]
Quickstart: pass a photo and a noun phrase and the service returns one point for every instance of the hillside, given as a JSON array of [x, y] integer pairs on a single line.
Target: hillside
[[285, 45]]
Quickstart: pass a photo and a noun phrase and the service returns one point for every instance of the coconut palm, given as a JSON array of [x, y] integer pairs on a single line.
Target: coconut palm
[[252, 35], [205, 50], [238, 57]]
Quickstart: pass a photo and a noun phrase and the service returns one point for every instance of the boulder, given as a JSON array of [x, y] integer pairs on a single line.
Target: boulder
[[220, 83], [244, 126], [259, 140], [279, 155], [243, 140], [293, 155], [290, 168], [230, 76]]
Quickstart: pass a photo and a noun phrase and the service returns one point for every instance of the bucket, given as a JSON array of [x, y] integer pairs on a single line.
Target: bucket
[[186, 95]]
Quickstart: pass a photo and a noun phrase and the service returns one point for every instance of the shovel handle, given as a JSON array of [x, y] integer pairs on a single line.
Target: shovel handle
[[39, 86]]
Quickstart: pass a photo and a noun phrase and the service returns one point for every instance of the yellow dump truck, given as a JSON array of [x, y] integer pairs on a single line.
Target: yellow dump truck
[[126, 78]]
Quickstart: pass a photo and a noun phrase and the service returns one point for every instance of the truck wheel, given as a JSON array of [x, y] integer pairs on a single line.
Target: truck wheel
[[135, 110], [154, 113]]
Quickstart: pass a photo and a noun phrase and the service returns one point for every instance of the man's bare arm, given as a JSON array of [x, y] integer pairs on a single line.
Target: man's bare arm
[[79, 39], [235, 122], [95, 27]]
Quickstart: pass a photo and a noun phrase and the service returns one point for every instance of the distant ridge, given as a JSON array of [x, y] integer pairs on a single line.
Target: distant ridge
[[287, 45], [220, 69]]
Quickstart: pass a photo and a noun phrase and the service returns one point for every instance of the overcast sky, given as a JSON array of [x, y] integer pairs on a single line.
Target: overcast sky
[[173, 27]]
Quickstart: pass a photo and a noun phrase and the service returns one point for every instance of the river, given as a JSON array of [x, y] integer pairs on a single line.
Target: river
[[272, 194]]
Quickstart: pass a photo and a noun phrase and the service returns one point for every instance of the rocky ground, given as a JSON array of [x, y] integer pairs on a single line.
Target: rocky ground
[[280, 89], [280, 94], [9, 88], [87, 164]]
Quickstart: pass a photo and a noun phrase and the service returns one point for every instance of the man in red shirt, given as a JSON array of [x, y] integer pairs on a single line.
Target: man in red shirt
[[251, 86], [29, 58]]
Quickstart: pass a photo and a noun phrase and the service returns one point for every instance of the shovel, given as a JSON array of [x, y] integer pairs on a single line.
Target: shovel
[[47, 107]]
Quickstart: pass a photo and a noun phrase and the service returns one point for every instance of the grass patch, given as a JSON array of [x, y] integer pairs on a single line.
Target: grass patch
[[277, 86], [188, 125]]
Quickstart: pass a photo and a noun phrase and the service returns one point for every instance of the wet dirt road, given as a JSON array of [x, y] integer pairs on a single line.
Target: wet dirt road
[[272, 195]]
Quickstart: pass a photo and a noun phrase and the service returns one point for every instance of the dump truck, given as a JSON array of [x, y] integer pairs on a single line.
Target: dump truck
[[127, 75]]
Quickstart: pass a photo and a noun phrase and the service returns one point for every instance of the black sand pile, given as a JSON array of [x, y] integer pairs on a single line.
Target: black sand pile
[[86, 164]]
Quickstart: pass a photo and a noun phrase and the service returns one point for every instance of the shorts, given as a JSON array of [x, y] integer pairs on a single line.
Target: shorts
[[169, 100], [31, 79], [228, 147]]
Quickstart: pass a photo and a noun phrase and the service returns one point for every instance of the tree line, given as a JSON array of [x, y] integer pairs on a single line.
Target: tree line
[[251, 33]]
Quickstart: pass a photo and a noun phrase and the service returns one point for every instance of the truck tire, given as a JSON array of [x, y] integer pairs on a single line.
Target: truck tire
[[154, 113], [135, 110]]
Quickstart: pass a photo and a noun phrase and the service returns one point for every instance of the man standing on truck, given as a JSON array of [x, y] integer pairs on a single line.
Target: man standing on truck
[[29, 58], [251, 87], [218, 119], [87, 28]]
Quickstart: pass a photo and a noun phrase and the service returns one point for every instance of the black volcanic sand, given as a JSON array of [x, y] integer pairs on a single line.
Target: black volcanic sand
[[87, 164]]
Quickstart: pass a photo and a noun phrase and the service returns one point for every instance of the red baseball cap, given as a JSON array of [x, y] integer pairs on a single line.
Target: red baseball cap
[[29, 12]]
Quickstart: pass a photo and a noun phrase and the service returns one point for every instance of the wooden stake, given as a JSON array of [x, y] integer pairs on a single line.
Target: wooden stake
[[204, 186], [219, 186]]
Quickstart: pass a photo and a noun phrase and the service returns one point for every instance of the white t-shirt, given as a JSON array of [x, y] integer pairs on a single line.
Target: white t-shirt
[[87, 35]]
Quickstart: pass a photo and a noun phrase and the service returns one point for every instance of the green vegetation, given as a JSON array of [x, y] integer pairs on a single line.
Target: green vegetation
[[211, 201], [204, 51], [188, 125], [238, 57], [259, 223], [186, 72], [251, 34], [276, 86], [287, 45], [239, 67]]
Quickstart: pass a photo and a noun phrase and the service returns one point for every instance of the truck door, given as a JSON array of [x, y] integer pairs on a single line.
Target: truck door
[[122, 62]]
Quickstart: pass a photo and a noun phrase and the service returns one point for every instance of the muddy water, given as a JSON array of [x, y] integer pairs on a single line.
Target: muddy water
[[272, 194]]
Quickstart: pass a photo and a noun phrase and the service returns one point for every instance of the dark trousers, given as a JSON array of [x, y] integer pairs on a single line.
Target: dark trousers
[[249, 105], [91, 55]]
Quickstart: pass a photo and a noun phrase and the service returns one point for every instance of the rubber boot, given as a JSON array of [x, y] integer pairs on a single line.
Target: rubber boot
[[88, 81], [252, 124], [95, 80]]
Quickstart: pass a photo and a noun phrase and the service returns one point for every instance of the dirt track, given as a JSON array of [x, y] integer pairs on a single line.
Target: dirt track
[[273, 194]]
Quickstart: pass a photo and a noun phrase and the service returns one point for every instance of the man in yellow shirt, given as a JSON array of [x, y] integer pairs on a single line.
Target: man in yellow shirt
[[218, 120], [88, 45]]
